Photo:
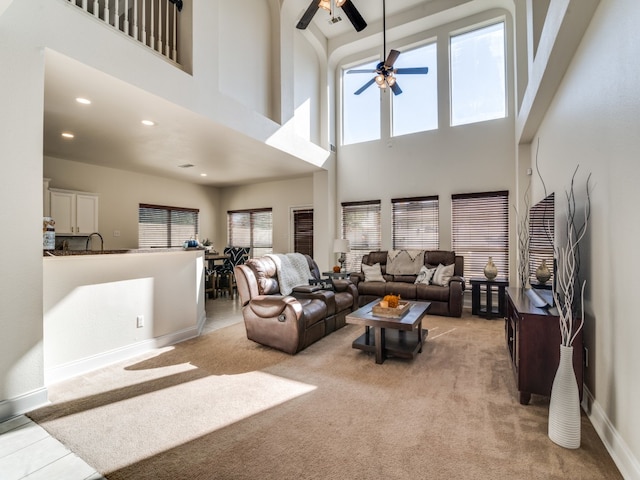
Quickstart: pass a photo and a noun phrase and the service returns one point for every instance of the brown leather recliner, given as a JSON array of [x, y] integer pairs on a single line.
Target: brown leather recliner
[[293, 322]]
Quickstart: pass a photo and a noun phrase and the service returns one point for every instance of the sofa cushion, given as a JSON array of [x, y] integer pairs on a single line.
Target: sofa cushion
[[372, 288], [432, 293], [442, 275], [372, 273], [425, 275], [265, 273], [432, 258], [404, 289]]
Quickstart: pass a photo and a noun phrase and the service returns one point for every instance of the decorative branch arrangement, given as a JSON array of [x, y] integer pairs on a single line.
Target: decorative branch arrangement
[[523, 240], [568, 269]]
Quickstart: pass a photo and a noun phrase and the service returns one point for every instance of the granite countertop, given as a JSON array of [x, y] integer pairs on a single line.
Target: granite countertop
[[74, 253]]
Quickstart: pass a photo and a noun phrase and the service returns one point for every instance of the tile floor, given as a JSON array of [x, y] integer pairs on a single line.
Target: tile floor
[[27, 451]]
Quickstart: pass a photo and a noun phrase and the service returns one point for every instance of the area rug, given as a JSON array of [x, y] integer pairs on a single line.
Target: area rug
[[223, 407]]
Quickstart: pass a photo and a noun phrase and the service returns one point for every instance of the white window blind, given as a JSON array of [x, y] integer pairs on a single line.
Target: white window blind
[[251, 228], [415, 223], [480, 229], [541, 235], [164, 227], [361, 226], [303, 231]]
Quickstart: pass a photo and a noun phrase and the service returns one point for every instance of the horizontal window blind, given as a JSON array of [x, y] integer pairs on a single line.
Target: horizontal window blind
[[162, 226], [415, 223], [361, 226], [541, 235], [303, 231], [480, 229], [251, 228]]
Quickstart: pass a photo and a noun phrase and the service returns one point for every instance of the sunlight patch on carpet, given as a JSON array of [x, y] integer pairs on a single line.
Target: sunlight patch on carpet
[[183, 413]]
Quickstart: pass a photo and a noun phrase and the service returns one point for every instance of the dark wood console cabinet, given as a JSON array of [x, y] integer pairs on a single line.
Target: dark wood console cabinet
[[533, 342]]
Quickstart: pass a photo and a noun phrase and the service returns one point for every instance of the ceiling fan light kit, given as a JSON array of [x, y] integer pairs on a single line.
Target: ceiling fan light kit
[[385, 73]]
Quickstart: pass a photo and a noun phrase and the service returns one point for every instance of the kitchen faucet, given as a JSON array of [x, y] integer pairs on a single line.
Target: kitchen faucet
[[101, 241]]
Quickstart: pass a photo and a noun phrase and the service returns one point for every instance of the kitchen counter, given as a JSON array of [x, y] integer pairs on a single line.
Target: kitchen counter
[[71, 253]]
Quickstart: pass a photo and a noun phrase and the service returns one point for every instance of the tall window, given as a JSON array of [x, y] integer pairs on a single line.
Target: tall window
[[541, 234], [480, 229], [415, 223], [361, 226], [416, 109], [251, 228], [478, 87], [303, 231], [164, 227], [360, 113]]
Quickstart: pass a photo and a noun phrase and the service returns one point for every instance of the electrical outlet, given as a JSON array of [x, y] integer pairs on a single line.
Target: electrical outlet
[[116, 233], [140, 321]]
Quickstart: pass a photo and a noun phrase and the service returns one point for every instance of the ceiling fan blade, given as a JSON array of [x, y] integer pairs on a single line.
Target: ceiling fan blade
[[396, 89], [391, 58], [308, 15], [361, 71], [354, 16], [365, 86], [414, 71]]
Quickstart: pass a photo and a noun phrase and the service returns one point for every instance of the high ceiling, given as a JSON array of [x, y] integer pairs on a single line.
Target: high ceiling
[[109, 133]]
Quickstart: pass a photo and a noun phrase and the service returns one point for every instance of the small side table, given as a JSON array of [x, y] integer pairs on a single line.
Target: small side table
[[336, 274], [489, 311]]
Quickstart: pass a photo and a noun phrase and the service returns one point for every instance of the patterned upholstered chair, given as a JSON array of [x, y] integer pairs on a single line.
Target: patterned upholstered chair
[[225, 280]]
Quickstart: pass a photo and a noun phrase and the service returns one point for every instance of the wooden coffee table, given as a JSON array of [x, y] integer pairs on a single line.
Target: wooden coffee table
[[399, 337]]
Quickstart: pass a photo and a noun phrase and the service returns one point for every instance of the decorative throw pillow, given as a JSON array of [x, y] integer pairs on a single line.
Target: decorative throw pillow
[[425, 275], [372, 273], [442, 275]]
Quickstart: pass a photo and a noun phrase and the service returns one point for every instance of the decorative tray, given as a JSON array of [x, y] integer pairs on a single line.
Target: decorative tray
[[399, 312]]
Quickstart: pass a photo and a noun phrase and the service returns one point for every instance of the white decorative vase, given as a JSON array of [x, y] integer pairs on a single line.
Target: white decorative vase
[[564, 407], [490, 270]]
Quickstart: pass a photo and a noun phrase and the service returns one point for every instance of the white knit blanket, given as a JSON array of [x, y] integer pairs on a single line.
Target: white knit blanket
[[292, 270], [404, 262]]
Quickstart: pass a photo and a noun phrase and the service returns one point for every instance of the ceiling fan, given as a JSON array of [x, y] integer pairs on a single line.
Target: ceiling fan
[[347, 6], [385, 73]]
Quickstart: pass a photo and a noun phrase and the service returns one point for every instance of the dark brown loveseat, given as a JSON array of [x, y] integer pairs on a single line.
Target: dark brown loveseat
[[290, 322], [445, 300]]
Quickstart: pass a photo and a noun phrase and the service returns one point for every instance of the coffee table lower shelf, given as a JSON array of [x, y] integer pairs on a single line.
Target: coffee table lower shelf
[[397, 343]]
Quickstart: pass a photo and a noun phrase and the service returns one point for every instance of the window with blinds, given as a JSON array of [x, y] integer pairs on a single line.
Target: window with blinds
[[303, 231], [251, 228], [480, 229], [164, 227], [541, 235], [415, 223], [361, 226]]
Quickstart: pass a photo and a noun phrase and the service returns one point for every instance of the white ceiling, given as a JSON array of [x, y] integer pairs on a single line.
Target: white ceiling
[[109, 133]]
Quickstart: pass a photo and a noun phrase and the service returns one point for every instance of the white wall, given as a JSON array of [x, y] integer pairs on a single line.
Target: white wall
[[21, 87], [121, 193], [91, 305], [281, 196], [593, 122]]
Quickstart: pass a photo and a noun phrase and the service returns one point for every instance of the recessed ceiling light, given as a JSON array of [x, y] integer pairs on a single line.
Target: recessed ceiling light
[[148, 123], [84, 101], [68, 135], [203, 174]]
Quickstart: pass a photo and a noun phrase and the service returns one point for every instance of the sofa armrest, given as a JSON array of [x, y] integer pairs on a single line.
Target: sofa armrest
[[356, 278], [346, 285], [459, 279], [276, 321], [456, 287], [306, 288]]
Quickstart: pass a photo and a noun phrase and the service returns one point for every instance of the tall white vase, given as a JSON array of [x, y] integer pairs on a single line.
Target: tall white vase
[[564, 407]]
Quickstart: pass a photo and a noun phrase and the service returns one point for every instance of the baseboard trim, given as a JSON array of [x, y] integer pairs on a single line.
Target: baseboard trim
[[622, 456], [94, 362], [23, 403]]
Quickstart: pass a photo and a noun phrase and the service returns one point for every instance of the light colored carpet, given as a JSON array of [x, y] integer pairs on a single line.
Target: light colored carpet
[[223, 407]]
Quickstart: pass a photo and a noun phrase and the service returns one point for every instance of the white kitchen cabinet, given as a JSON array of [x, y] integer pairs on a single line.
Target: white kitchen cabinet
[[75, 213]]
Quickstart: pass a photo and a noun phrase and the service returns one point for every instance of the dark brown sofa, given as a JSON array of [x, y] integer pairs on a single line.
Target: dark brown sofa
[[290, 322], [445, 300]]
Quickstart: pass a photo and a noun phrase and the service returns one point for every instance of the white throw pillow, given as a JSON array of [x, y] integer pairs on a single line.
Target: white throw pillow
[[425, 275], [443, 275], [372, 273]]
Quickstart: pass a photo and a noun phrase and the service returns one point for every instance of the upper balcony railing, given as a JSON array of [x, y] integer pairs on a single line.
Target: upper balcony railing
[[151, 22]]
